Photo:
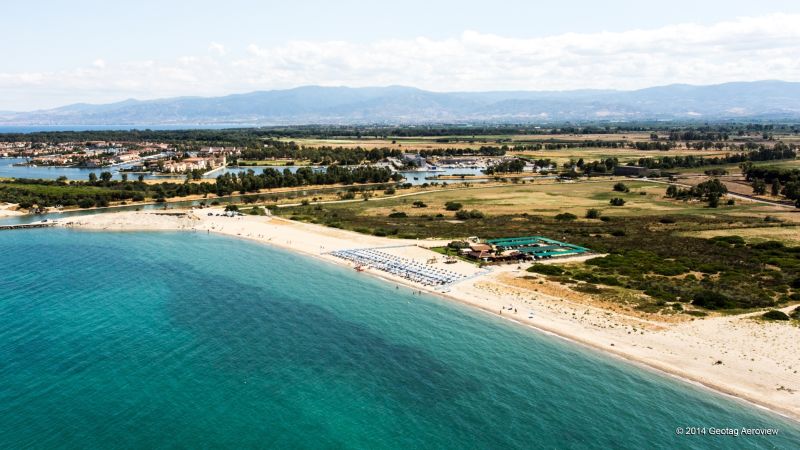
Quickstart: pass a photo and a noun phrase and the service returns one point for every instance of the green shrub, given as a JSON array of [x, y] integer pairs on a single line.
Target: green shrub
[[546, 269], [769, 245], [796, 313], [466, 215], [398, 215], [458, 244], [775, 315], [616, 201], [419, 204], [620, 187], [711, 300], [453, 206], [593, 214], [667, 220], [85, 203], [731, 240], [566, 217]]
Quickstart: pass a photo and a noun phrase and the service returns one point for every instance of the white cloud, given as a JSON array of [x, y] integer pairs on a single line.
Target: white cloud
[[749, 48], [217, 48]]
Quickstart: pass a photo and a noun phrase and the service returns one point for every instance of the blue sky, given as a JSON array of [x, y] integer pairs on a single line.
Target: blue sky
[[58, 52]]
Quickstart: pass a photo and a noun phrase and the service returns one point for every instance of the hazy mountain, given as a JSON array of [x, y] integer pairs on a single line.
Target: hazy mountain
[[397, 104]]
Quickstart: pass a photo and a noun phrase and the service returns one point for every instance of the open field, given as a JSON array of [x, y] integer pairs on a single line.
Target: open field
[[789, 235], [551, 198], [432, 142], [734, 168], [625, 155]]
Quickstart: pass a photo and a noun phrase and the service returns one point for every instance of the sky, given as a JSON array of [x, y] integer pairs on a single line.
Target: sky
[[58, 52]]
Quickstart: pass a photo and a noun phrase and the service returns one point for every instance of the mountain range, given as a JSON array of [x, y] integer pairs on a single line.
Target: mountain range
[[759, 100]]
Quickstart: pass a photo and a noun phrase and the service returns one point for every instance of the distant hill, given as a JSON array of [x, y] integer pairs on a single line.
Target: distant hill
[[762, 100]]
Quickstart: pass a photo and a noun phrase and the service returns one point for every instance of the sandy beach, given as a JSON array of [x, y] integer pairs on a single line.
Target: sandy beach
[[737, 355], [9, 210]]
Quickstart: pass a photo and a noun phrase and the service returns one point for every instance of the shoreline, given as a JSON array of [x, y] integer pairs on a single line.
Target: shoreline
[[613, 344]]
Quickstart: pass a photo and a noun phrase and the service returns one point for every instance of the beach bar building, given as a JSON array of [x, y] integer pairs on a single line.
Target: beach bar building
[[527, 248], [537, 247]]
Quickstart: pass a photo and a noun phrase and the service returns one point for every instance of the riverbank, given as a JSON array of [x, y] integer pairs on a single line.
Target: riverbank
[[736, 355]]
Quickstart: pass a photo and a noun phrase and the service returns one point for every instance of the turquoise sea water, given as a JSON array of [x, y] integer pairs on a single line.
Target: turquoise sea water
[[168, 340]]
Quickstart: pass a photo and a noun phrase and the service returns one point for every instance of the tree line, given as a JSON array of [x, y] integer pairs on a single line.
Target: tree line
[[326, 155], [785, 182], [103, 190]]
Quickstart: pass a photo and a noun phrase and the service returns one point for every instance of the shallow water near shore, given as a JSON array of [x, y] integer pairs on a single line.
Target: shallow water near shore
[[114, 340]]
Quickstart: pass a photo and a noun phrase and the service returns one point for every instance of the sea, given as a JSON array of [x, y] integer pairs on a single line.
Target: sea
[[189, 340]]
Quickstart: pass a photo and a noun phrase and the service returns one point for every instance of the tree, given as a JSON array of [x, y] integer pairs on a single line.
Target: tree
[[124, 177], [593, 214], [759, 187], [620, 187], [616, 201], [566, 217], [92, 178], [713, 200], [465, 215], [776, 187], [453, 206], [105, 176]]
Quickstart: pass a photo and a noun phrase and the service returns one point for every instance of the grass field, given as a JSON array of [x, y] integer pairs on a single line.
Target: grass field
[[432, 142], [625, 155], [549, 199], [509, 207], [789, 235], [561, 156], [734, 168]]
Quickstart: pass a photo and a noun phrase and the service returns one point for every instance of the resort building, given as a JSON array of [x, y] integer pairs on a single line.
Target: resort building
[[519, 249]]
